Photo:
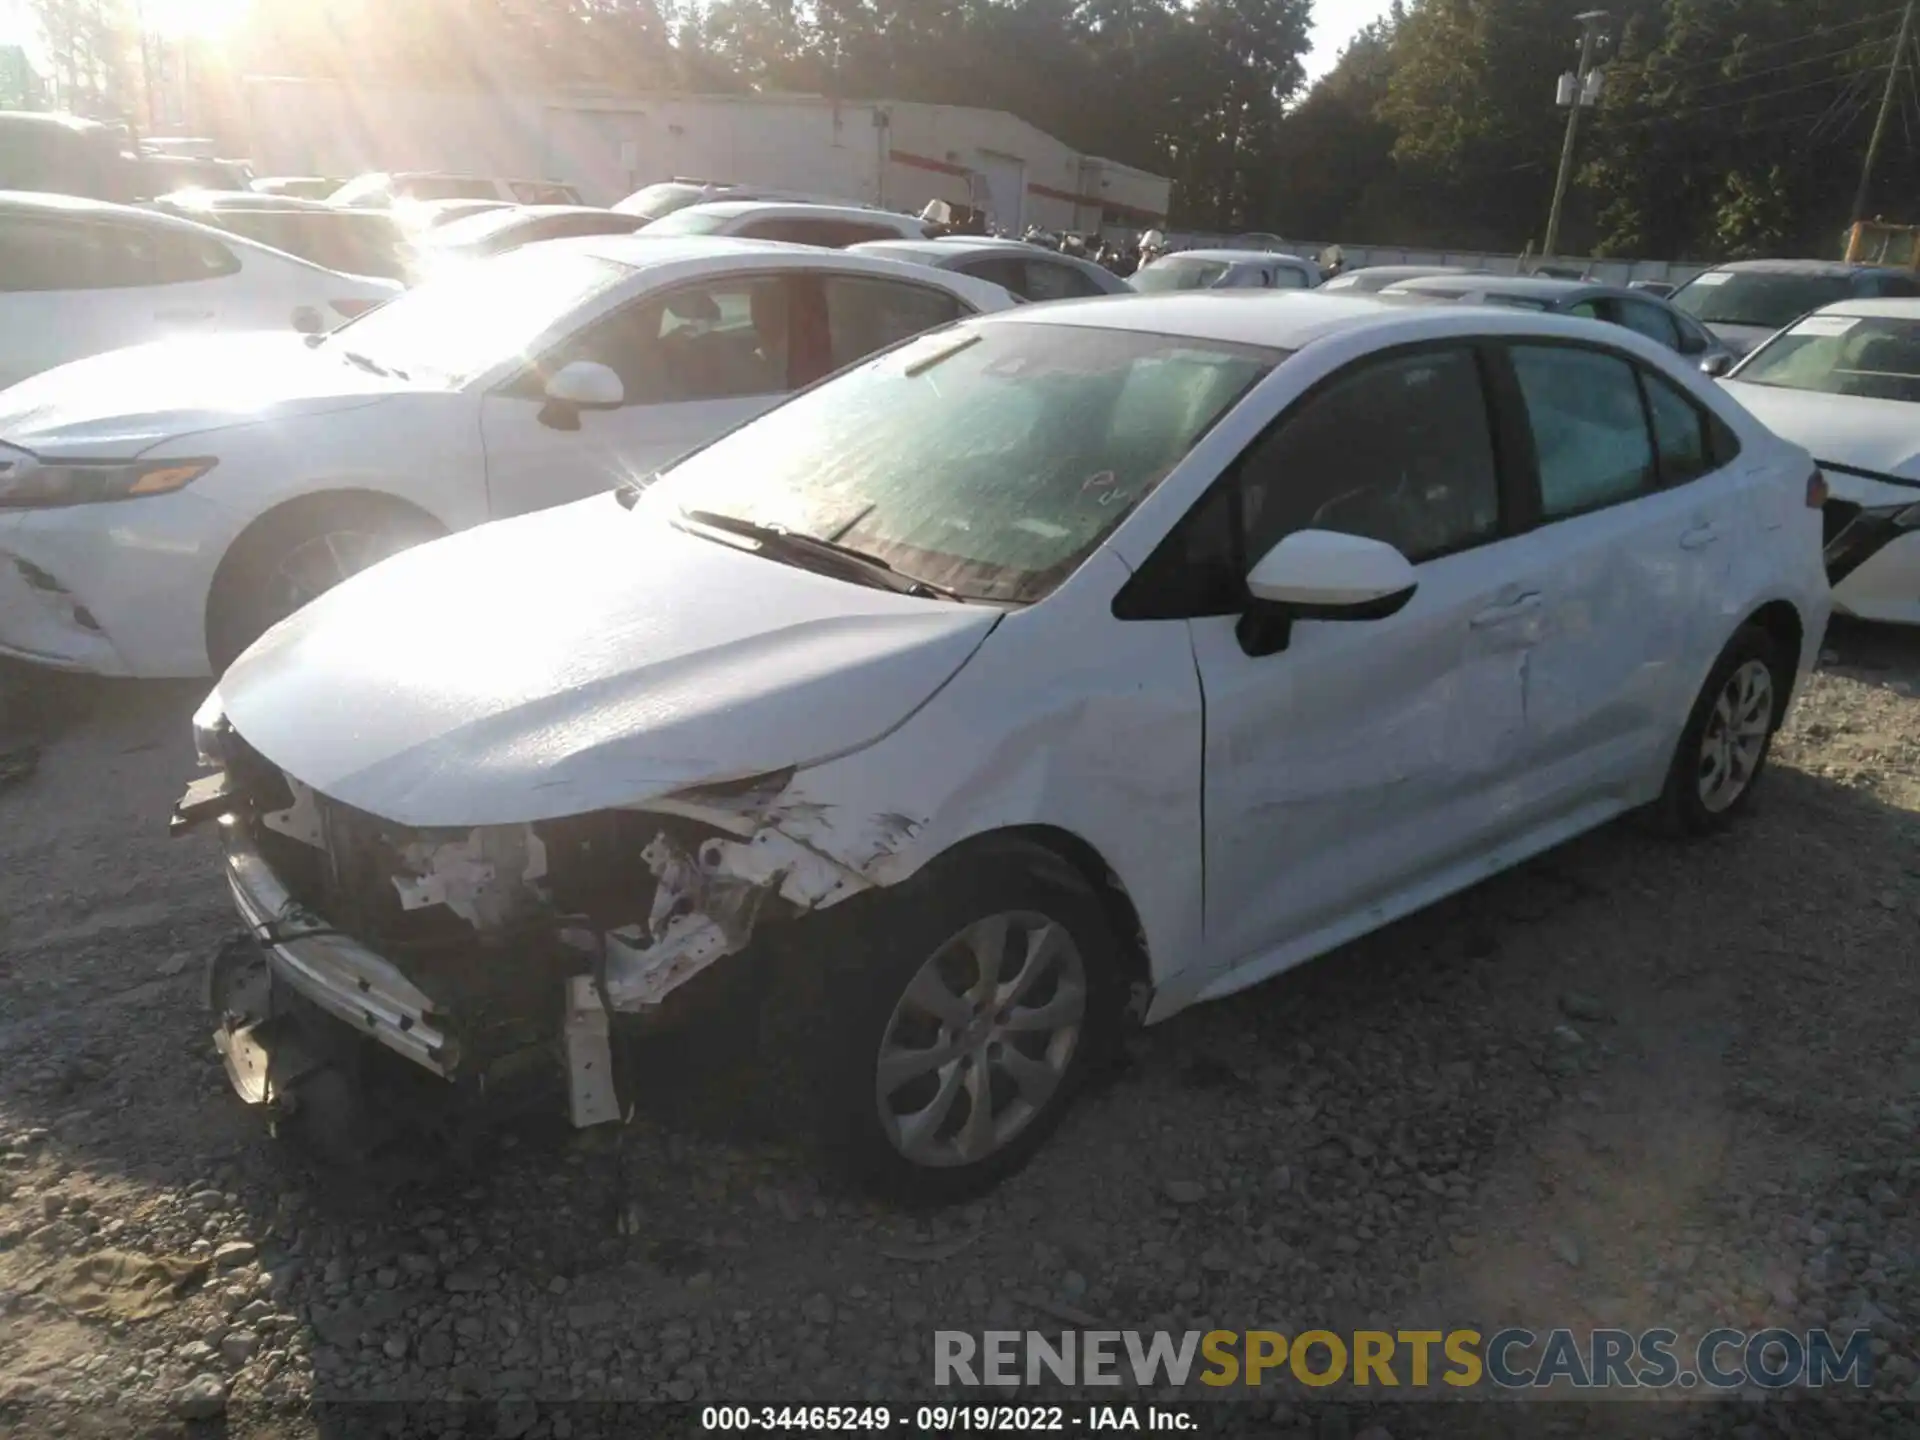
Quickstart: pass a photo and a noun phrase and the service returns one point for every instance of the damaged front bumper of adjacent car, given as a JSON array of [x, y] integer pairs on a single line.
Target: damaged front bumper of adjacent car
[[479, 955]]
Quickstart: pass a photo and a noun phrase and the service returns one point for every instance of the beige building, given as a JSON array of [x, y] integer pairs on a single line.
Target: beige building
[[894, 153]]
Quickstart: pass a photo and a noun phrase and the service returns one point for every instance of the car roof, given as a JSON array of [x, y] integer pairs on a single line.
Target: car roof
[[74, 206], [1868, 309], [530, 212], [923, 251], [639, 251], [1234, 256], [78, 206], [1837, 268], [1280, 319], [245, 200], [1417, 272], [1290, 320], [1547, 288]]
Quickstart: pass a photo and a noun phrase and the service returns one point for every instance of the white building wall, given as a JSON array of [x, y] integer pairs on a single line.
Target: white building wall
[[894, 153]]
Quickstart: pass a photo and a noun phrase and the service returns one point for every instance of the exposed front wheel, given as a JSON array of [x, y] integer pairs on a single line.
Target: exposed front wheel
[[980, 998]]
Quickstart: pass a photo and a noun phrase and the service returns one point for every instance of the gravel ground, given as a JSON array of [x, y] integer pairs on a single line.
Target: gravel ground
[[1635, 1083]]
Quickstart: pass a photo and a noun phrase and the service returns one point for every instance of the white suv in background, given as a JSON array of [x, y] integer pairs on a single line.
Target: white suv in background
[[81, 276]]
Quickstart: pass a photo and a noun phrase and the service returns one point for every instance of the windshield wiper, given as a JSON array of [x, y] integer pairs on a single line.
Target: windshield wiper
[[793, 545]]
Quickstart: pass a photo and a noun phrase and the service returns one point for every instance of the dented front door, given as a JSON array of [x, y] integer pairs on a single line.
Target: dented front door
[[1363, 760]]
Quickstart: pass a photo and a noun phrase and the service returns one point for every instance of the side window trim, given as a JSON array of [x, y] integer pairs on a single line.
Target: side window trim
[[1135, 600]]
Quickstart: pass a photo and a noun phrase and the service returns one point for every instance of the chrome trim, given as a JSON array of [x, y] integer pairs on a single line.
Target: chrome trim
[[341, 976]]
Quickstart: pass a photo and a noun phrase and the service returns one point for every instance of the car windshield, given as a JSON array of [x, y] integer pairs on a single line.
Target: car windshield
[[1179, 274], [663, 199], [1870, 356], [465, 322], [687, 222], [1767, 299], [986, 460]]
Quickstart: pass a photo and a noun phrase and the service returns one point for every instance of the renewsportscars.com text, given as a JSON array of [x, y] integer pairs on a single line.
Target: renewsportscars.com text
[[1509, 1359]]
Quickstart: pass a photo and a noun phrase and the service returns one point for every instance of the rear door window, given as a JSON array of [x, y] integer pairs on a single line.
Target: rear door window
[[865, 315], [1004, 271], [37, 254], [1648, 320], [1682, 440], [1589, 428], [1050, 280], [181, 257]]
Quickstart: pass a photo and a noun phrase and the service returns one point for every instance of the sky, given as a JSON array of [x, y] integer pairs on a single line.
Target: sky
[[1335, 22]]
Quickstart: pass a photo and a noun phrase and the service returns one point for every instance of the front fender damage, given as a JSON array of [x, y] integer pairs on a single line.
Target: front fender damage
[[706, 906], [530, 938]]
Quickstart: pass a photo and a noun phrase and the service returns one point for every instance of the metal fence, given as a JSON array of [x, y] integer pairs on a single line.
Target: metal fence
[[1610, 271]]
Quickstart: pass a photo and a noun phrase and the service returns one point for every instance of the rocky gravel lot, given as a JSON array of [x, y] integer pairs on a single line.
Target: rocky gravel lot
[[1636, 1083]]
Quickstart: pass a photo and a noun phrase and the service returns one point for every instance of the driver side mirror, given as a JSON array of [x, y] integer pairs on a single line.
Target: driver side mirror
[[1716, 364], [1322, 575], [580, 385]]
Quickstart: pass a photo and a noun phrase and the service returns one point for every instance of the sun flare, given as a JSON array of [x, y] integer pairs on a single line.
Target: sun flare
[[194, 19]]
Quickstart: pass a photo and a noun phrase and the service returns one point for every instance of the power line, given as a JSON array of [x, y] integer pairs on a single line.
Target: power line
[[1822, 33], [1862, 48], [1668, 117]]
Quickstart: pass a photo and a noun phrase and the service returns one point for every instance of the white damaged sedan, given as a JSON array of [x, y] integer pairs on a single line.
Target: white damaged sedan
[[1055, 669], [1845, 383]]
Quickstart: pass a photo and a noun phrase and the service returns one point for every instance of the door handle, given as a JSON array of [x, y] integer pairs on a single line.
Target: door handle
[[1699, 537], [183, 315], [1507, 610]]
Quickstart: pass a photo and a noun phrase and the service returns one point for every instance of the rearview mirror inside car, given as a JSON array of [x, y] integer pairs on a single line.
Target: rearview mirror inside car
[[1322, 575]]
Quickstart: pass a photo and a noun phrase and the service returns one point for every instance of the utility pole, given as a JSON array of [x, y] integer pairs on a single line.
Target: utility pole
[[1590, 23], [1886, 108]]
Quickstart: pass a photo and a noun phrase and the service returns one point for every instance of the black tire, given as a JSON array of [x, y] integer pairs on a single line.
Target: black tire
[[1682, 808], [249, 597], [879, 947]]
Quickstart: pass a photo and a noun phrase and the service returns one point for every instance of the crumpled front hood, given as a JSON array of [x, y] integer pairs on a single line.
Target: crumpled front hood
[[115, 405], [579, 659], [1881, 435]]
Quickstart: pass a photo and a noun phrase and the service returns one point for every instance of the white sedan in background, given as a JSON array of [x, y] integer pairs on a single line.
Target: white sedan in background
[[1083, 657], [161, 506], [81, 276], [1844, 383], [1225, 270]]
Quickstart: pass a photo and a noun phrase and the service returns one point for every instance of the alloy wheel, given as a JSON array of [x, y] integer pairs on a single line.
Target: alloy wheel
[[981, 1040], [1735, 739]]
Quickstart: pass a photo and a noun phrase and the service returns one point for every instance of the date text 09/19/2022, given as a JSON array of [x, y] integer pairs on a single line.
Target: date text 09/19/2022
[[945, 1419]]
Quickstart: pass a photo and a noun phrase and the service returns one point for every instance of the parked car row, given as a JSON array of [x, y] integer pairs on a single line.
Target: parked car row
[[679, 615]]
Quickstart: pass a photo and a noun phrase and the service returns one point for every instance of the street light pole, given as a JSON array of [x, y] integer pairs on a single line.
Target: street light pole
[[1589, 41]]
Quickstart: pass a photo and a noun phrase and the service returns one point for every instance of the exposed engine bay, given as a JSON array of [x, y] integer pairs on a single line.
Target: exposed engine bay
[[479, 953]]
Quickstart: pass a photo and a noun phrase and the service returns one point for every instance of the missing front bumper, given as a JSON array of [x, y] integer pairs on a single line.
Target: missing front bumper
[[332, 971]]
